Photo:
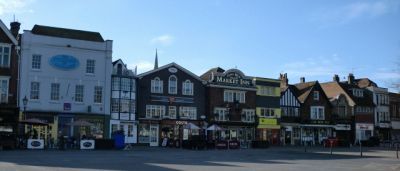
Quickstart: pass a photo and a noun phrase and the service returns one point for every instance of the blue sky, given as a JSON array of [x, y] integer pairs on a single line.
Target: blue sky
[[314, 39]]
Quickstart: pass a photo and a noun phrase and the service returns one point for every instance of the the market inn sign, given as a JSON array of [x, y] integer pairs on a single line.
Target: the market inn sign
[[234, 79]]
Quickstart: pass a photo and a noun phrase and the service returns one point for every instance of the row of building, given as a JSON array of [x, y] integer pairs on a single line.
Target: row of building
[[64, 76]]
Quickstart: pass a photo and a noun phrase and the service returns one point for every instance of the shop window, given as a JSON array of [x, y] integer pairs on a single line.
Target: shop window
[[144, 133]]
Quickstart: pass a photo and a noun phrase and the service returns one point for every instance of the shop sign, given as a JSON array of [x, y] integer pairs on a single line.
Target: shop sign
[[268, 121], [364, 126], [67, 106], [342, 127], [87, 144], [384, 125], [35, 144], [64, 62], [237, 81], [181, 122]]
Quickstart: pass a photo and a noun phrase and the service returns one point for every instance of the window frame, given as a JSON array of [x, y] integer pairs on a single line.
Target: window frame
[[187, 85], [36, 64], [90, 68], [34, 92], [55, 92], [172, 85], [79, 95], [7, 88], [98, 97], [2, 54]]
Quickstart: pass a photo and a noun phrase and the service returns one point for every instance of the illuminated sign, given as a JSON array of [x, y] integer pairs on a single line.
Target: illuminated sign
[[268, 121]]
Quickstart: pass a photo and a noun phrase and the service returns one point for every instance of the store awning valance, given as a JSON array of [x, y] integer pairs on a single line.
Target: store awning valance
[[269, 126]]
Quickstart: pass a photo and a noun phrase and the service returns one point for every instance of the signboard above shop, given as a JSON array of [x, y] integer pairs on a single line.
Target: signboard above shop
[[233, 77]]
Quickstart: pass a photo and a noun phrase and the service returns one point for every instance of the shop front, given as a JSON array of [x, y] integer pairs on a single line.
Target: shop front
[[268, 129], [128, 128], [364, 131], [315, 134], [8, 127], [343, 133], [395, 131], [290, 134]]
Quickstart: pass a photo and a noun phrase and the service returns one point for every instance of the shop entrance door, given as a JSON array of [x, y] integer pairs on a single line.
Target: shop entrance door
[[129, 132], [153, 135]]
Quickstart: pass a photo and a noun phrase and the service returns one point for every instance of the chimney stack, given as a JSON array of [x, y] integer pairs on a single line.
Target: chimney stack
[[14, 28], [336, 78], [302, 80], [284, 80], [350, 78]]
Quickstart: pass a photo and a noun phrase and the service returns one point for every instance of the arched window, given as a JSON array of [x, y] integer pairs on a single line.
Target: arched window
[[172, 85], [187, 88], [156, 85]]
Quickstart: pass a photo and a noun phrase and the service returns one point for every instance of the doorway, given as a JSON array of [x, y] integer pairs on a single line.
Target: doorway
[[153, 135]]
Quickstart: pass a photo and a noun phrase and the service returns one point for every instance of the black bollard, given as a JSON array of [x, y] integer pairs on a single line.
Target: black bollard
[[331, 147], [397, 151]]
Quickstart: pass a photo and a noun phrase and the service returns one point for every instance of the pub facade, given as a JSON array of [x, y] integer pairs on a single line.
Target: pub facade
[[231, 105], [8, 84], [171, 105]]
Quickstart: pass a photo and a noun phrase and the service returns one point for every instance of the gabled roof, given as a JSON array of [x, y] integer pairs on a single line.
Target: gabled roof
[[116, 61], [293, 90], [365, 82], [67, 33], [366, 100], [8, 33], [304, 90], [167, 66], [334, 89], [212, 70]]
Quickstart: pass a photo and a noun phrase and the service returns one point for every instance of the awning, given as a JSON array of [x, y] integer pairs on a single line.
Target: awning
[[269, 126]]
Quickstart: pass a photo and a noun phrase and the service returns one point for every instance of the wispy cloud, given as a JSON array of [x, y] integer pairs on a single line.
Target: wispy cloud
[[163, 40], [350, 12], [14, 6]]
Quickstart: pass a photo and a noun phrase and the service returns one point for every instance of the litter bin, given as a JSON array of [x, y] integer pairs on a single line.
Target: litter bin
[[119, 141]]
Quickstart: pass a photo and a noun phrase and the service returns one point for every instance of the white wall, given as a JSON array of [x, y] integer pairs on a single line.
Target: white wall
[[48, 47]]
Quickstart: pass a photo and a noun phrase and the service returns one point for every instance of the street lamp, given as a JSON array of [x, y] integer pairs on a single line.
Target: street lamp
[[25, 102]]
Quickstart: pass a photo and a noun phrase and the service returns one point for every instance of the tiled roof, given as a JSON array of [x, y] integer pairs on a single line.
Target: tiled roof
[[304, 89], [67, 33]]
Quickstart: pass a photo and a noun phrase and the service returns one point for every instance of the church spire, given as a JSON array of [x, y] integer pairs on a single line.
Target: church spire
[[156, 61]]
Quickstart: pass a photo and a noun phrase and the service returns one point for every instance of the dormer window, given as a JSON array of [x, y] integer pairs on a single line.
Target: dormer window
[[172, 85], [156, 85], [358, 92], [316, 95]]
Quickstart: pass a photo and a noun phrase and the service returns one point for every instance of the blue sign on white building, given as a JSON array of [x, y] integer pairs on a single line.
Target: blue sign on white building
[[64, 62]]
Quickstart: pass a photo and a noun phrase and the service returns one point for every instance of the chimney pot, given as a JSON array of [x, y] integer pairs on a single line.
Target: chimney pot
[[336, 78], [302, 80]]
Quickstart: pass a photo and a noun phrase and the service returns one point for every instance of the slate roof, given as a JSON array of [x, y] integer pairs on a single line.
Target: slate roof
[[67, 33]]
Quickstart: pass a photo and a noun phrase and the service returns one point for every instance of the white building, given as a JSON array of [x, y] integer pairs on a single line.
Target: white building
[[66, 76], [381, 112], [123, 102]]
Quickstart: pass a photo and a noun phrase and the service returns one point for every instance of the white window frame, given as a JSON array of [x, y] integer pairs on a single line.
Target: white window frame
[[35, 90], [248, 115], [187, 88], [2, 54], [55, 92], [187, 112], [267, 112], [316, 114], [155, 111], [222, 114], [90, 67], [36, 63], [172, 86], [4, 94], [171, 112], [98, 95], [231, 96], [79, 94], [156, 85], [316, 95]]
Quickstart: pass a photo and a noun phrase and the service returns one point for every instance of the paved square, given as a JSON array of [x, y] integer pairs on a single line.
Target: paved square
[[145, 158]]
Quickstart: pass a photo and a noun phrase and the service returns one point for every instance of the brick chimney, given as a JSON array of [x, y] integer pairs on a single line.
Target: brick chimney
[[350, 78], [302, 80], [284, 80], [14, 28], [336, 78]]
